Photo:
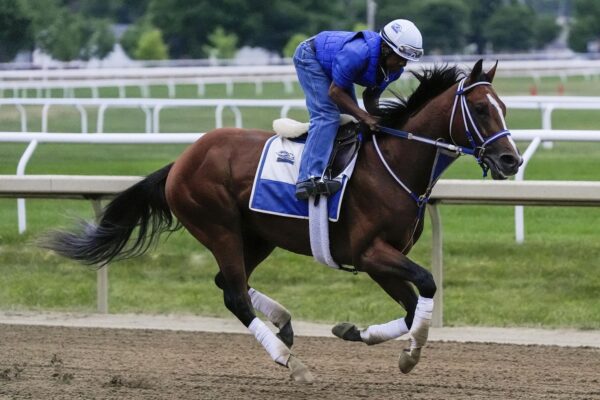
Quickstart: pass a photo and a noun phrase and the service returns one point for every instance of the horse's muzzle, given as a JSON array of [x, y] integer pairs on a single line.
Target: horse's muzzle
[[503, 165]]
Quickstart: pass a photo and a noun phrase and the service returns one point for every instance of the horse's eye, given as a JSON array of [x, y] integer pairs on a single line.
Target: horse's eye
[[481, 108]]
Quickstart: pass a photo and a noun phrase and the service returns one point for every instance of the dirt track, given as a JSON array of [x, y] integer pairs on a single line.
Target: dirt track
[[80, 363]]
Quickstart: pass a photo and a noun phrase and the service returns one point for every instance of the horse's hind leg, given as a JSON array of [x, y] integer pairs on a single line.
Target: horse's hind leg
[[403, 293], [276, 313], [255, 251], [227, 247]]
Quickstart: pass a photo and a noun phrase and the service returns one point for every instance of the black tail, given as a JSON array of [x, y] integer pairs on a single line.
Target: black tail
[[142, 206]]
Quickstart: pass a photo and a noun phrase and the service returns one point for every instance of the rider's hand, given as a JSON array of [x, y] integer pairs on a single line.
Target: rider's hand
[[371, 121]]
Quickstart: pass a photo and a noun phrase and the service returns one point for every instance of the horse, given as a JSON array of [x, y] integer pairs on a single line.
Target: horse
[[207, 190]]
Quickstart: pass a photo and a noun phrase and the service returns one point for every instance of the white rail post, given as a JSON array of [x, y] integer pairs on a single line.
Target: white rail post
[[21, 210], [547, 124], [156, 118], [238, 116], [519, 212], [200, 91], [45, 117], [23, 114], [148, 114], [284, 111], [437, 264], [84, 120], [100, 118], [102, 273], [219, 116]]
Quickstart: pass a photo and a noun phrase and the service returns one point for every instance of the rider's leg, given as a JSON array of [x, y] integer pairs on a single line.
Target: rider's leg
[[324, 120]]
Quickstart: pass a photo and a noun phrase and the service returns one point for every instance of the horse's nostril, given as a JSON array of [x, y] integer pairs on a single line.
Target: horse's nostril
[[510, 160]]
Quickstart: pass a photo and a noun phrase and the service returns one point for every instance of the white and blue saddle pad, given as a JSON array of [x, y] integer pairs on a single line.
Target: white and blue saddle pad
[[274, 186]]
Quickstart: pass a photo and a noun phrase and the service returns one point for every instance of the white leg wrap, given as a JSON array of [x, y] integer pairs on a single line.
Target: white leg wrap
[[271, 309], [380, 333], [421, 323], [275, 347]]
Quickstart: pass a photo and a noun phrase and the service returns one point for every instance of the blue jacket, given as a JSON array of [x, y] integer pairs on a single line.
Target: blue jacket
[[350, 58]]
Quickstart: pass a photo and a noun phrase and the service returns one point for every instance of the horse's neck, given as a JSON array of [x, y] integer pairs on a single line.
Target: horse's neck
[[413, 161]]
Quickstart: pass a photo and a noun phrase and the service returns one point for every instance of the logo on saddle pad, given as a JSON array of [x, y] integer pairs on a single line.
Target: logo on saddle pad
[[285, 156]]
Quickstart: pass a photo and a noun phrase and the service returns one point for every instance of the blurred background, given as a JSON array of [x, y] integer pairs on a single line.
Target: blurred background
[[44, 33]]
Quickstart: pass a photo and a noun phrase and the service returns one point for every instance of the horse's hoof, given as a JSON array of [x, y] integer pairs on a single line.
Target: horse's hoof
[[286, 334], [408, 360], [347, 331], [298, 371]]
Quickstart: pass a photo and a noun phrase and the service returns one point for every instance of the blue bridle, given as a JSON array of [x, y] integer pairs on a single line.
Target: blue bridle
[[476, 151], [444, 154]]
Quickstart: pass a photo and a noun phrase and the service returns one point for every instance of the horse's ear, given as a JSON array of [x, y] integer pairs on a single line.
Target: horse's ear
[[476, 71], [489, 76]]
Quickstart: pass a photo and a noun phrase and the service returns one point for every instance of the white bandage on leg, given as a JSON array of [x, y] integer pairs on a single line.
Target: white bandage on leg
[[275, 312], [421, 323], [275, 347], [380, 333]]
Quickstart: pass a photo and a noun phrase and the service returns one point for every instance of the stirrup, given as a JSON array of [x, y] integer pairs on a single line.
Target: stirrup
[[313, 187], [328, 187]]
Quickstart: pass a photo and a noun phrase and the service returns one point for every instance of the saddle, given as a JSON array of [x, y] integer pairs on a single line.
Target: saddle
[[345, 146]]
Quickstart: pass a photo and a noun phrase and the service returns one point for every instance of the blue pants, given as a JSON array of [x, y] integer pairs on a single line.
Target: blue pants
[[323, 112]]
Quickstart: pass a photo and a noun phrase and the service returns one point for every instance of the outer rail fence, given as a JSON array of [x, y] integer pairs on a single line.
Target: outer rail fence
[[544, 193], [20, 89], [534, 136], [153, 107], [529, 68]]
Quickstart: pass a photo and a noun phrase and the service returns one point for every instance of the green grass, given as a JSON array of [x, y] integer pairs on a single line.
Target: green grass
[[551, 280]]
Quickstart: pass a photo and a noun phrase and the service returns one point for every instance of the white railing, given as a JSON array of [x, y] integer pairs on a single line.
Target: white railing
[[43, 81], [124, 138], [44, 88], [530, 68], [533, 136], [549, 193], [153, 107]]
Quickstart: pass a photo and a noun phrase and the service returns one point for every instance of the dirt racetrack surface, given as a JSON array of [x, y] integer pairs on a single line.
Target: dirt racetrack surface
[[39, 362]]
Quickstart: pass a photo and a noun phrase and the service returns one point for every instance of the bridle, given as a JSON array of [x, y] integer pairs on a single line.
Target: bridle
[[446, 152], [460, 100]]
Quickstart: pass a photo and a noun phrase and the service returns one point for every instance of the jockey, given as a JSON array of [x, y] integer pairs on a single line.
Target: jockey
[[328, 65]]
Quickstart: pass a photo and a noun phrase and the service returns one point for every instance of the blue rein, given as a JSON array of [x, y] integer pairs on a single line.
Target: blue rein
[[475, 151]]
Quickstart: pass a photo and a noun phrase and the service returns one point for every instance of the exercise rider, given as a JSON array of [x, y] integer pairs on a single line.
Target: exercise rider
[[328, 66]]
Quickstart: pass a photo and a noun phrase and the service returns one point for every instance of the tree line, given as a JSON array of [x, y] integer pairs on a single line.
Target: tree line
[[158, 29]]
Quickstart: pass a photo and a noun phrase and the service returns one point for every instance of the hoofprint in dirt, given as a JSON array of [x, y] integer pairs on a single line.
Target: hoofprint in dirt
[[81, 363]]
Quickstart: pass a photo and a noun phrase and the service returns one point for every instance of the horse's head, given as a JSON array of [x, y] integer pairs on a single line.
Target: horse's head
[[477, 121]]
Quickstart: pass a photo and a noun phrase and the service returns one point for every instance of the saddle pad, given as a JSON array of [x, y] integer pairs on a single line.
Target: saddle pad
[[274, 186]]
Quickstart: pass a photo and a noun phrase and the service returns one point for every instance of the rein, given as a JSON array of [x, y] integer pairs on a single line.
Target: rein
[[446, 152]]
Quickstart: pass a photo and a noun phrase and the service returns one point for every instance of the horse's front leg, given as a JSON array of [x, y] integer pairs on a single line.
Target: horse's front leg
[[403, 293], [384, 263]]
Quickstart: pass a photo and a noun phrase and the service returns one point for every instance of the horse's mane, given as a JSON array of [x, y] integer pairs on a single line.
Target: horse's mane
[[432, 83]]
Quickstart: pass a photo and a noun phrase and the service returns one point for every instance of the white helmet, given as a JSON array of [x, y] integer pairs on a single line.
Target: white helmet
[[404, 38]]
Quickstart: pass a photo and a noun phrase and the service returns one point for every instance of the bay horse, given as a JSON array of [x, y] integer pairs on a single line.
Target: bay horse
[[208, 188]]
